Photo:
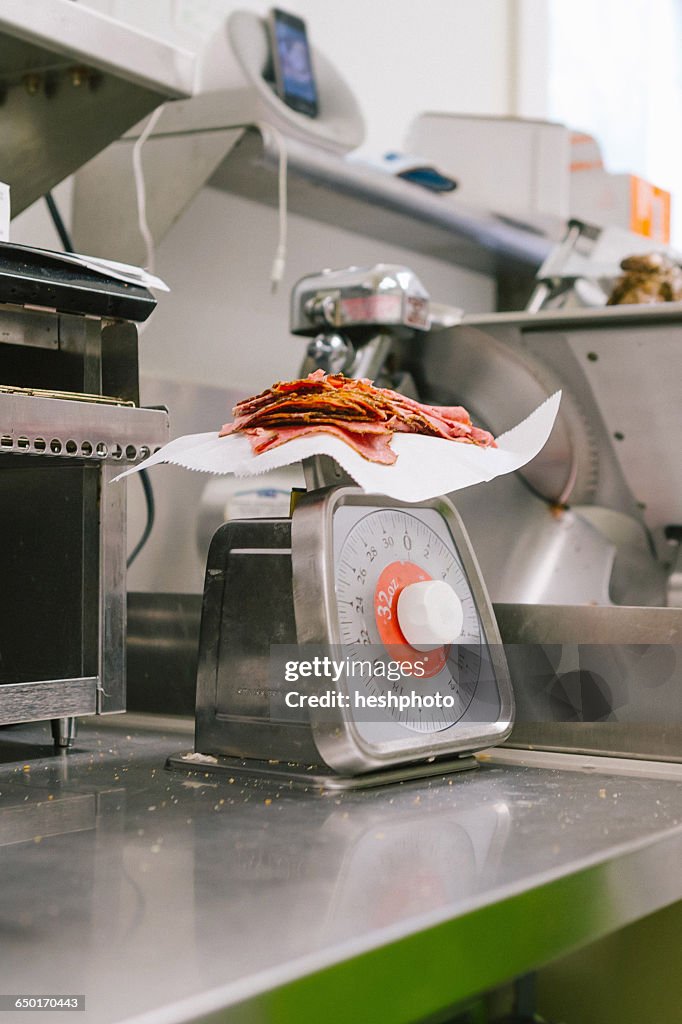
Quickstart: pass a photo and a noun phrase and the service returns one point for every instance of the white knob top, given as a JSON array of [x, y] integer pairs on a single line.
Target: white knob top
[[430, 614]]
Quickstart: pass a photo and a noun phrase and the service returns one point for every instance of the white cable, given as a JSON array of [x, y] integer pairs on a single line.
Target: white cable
[[279, 262], [140, 189]]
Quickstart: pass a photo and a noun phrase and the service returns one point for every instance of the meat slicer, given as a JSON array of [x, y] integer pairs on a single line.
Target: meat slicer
[[579, 549]]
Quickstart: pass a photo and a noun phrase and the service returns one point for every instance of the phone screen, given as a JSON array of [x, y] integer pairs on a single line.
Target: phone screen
[[295, 80]]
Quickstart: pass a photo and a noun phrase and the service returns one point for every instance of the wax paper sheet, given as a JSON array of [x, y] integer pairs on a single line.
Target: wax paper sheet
[[425, 468]]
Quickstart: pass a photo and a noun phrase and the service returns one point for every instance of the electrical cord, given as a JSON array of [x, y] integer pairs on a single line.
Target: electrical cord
[[266, 129], [279, 262], [276, 273], [144, 476], [148, 239], [151, 513], [60, 226], [140, 187]]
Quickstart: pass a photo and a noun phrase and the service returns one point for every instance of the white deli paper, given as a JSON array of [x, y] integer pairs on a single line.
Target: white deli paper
[[426, 466]]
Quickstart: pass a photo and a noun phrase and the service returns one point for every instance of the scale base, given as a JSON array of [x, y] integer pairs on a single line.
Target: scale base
[[316, 776]]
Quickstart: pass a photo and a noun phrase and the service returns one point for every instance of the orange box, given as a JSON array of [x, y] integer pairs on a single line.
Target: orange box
[[623, 200], [649, 210]]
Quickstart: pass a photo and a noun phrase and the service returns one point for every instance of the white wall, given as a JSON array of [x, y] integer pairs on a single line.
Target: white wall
[[627, 93]]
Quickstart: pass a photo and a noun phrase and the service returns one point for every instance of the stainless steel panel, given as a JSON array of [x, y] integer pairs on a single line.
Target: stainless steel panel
[[49, 33], [64, 65], [618, 362], [247, 607], [37, 701], [80, 430], [596, 680], [161, 652], [579, 624], [102, 107], [111, 689], [37, 330], [610, 739]]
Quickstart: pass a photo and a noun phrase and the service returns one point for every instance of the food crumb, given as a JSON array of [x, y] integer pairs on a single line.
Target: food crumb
[[602, 794], [267, 802]]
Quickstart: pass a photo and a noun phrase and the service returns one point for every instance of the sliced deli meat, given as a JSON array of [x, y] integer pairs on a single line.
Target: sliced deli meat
[[363, 416]]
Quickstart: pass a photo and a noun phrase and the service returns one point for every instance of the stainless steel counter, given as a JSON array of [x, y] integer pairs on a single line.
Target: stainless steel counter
[[172, 897]]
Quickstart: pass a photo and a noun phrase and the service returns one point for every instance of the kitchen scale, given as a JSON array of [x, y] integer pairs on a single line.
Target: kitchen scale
[[365, 581], [371, 584]]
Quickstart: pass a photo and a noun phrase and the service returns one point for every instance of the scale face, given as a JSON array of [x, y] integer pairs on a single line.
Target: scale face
[[384, 583]]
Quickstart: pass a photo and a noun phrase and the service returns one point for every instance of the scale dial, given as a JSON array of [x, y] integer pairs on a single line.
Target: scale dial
[[353, 556], [402, 592]]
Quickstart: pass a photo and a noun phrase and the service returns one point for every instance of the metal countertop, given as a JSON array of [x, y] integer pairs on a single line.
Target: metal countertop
[[169, 896]]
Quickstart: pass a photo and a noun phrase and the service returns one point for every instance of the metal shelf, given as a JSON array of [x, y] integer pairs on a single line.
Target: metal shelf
[[72, 81], [59, 428], [346, 193], [203, 140]]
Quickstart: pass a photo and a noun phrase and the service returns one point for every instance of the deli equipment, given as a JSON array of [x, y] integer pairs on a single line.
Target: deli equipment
[[69, 417], [580, 548], [390, 592], [369, 583]]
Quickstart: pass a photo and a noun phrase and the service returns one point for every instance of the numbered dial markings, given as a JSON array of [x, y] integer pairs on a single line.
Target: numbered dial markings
[[383, 552]]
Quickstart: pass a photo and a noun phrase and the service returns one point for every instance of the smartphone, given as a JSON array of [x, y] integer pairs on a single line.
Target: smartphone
[[292, 62]]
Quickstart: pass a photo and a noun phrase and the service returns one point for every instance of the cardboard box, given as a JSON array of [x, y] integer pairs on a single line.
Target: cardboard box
[[623, 200]]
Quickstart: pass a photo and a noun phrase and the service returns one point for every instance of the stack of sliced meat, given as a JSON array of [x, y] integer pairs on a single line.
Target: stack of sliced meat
[[363, 416]]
